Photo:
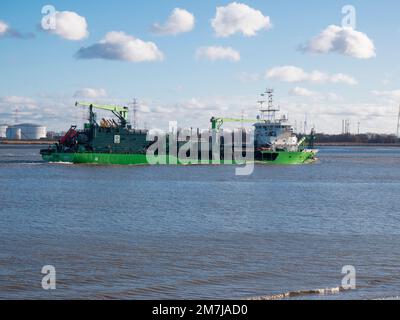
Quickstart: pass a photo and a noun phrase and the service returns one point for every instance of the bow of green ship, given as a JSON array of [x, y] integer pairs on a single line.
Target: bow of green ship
[[288, 157]]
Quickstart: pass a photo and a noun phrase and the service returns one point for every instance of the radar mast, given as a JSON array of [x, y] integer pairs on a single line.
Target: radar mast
[[268, 114]]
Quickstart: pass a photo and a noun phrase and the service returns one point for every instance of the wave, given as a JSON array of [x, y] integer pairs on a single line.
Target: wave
[[293, 294], [59, 162], [389, 298], [21, 162]]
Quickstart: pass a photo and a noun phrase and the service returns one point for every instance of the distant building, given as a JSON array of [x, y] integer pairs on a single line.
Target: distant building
[[3, 130], [26, 131], [50, 134]]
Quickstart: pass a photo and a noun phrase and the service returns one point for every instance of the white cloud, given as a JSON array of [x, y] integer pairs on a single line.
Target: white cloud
[[302, 92], [121, 46], [196, 104], [333, 97], [239, 18], [343, 78], [294, 74], [7, 31], [324, 111], [57, 111], [143, 108], [3, 28], [37, 110], [318, 96], [17, 101], [343, 40], [179, 21], [90, 93], [70, 26], [218, 53], [391, 94], [27, 109], [288, 74]]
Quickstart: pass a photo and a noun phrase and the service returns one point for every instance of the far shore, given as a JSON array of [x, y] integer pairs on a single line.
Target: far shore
[[27, 142], [356, 144], [321, 144]]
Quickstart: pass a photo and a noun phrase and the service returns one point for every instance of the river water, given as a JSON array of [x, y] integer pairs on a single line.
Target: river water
[[167, 232]]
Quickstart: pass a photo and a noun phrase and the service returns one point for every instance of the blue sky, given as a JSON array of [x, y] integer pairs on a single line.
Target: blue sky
[[42, 75]]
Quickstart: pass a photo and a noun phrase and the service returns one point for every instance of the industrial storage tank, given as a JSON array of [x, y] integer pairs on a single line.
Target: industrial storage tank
[[28, 131], [13, 133], [3, 130]]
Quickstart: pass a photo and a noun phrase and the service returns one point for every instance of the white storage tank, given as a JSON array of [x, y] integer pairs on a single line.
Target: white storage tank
[[3, 130], [13, 133], [30, 131]]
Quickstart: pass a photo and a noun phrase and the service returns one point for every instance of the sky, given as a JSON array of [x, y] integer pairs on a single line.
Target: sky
[[187, 61]]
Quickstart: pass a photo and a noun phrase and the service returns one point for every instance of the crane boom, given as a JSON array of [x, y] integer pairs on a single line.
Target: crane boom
[[121, 112], [216, 123]]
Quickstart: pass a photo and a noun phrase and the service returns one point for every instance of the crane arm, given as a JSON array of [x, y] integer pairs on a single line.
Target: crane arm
[[218, 122], [121, 111], [238, 120]]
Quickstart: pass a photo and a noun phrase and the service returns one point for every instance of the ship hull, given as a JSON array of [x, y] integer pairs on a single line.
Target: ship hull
[[280, 157]]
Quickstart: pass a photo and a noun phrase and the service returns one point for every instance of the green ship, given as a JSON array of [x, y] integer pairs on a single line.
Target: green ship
[[112, 142]]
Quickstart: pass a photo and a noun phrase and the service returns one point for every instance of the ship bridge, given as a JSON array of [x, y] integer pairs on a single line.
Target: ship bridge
[[270, 131]]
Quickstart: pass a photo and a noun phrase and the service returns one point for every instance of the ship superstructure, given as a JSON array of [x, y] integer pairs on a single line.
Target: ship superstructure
[[271, 132]]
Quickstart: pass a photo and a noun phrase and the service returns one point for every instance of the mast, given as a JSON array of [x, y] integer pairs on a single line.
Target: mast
[[268, 114]]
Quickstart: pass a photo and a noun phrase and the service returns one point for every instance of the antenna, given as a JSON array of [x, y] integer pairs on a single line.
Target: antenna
[[270, 93], [268, 113]]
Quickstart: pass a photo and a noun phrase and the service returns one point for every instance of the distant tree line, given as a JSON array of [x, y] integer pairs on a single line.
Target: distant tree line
[[356, 138]]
